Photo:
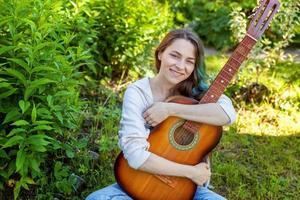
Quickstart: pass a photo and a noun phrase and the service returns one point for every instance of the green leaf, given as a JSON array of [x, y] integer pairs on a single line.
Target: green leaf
[[4, 174], [63, 93], [21, 63], [33, 114], [5, 85], [3, 79], [24, 185], [31, 23], [41, 81], [18, 75], [8, 93], [70, 153], [56, 144], [17, 190], [42, 45], [37, 69], [82, 143], [42, 122], [59, 116], [4, 20], [12, 116], [2, 64], [3, 154], [50, 100], [60, 171], [22, 182], [11, 167], [16, 130], [29, 180], [21, 156], [28, 92], [44, 113], [38, 140], [35, 84], [24, 105], [13, 141], [20, 123], [5, 49], [42, 127], [38, 148], [34, 165]]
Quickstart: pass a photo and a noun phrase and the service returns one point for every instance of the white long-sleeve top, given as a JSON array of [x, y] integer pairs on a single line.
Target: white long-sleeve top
[[133, 132]]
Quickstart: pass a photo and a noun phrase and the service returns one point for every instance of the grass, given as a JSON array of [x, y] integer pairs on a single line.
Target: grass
[[247, 166]]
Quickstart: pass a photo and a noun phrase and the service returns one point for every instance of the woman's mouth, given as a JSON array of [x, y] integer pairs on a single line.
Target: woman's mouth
[[176, 73]]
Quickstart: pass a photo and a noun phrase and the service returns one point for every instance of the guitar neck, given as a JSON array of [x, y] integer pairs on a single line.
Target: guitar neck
[[233, 64], [260, 21]]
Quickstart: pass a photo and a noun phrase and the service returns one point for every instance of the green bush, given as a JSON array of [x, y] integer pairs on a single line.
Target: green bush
[[126, 33], [211, 23], [211, 20], [216, 21], [119, 35], [39, 90]]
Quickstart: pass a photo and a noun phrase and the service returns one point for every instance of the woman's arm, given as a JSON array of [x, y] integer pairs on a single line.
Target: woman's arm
[[220, 113], [211, 113], [155, 164]]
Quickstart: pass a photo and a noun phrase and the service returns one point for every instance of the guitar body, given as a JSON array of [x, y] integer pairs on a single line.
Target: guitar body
[[171, 141]]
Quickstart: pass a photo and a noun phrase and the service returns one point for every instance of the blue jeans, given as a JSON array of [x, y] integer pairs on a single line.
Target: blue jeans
[[114, 192]]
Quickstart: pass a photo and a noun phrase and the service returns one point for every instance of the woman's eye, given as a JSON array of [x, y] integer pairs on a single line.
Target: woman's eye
[[191, 62], [174, 55]]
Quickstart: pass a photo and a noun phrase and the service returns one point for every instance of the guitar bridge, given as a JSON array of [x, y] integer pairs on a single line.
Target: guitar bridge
[[167, 180]]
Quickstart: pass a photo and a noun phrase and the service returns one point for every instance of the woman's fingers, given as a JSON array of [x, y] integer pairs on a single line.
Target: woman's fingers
[[148, 119], [151, 122], [146, 114]]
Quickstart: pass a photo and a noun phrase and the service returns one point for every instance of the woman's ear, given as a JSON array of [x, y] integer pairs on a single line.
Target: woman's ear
[[159, 55]]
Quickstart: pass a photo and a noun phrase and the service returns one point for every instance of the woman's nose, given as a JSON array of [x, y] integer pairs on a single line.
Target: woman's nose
[[180, 64]]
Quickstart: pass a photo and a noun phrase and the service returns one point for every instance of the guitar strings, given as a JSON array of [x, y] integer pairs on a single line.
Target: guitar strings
[[182, 136]]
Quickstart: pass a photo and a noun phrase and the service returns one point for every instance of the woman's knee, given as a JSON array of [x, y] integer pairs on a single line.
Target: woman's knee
[[97, 196], [205, 194], [112, 192]]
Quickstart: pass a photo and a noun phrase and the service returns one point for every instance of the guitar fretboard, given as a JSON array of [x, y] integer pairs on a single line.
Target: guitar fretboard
[[224, 77]]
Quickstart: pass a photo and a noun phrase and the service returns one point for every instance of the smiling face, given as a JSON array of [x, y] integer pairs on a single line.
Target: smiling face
[[177, 61]]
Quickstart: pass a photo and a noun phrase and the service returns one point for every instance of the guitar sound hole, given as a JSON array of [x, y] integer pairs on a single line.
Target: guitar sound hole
[[183, 137]]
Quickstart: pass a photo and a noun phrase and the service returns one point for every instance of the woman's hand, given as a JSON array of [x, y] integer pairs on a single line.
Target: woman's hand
[[200, 173], [157, 113]]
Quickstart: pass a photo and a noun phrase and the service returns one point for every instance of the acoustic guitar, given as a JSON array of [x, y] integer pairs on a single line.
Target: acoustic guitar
[[188, 142]]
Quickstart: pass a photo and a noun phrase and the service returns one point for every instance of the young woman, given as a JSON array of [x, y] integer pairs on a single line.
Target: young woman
[[180, 64]]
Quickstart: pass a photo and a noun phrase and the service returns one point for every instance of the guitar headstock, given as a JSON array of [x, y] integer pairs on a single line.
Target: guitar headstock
[[262, 17]]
